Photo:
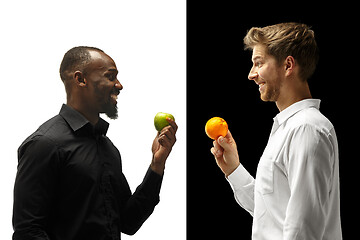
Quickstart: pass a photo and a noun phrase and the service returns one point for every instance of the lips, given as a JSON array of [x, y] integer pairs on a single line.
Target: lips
[[261, 87], [114, 97]]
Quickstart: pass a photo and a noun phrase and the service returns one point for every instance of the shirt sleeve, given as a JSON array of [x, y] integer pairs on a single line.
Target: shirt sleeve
[[242, 184], [34, 188], [141, 203], [309, 168]]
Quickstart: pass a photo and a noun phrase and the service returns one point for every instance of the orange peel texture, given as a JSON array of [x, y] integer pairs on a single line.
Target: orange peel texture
[[216, 127]]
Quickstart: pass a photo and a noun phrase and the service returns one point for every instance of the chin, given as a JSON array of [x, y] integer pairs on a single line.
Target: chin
[[264, 98], [111, 111], [269, 96], [112, 114]]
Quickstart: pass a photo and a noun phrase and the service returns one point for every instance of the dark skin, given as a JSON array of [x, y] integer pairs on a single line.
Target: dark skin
[[94, 90]]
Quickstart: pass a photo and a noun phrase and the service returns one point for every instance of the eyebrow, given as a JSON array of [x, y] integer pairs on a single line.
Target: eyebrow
[[257, 58], [113, 70]]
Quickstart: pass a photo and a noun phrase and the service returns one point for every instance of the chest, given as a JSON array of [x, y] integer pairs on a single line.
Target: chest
[[271, 175], [87, 162]]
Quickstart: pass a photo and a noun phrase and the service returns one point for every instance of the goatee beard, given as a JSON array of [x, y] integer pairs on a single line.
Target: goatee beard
[[111, 111]]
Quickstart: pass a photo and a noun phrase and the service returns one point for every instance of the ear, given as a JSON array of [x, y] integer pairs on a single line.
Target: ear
[[80, 79], [289, 64]]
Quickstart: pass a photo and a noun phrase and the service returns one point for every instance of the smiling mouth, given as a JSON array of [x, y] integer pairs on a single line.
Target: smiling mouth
[[261, 86], [114, 97]]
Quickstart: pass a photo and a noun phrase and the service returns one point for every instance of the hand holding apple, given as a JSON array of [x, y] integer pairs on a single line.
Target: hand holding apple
[[163, 142]]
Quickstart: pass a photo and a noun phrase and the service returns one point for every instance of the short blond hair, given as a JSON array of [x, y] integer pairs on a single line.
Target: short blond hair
[[287, 39]]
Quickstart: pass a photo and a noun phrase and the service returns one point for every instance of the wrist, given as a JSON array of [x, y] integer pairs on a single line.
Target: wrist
[[230, 171], [157, 167]]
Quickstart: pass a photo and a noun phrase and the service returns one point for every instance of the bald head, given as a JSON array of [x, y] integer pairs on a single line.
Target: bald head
[[76, 59]]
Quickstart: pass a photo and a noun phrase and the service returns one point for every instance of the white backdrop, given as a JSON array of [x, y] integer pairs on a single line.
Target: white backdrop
[[147, 40]]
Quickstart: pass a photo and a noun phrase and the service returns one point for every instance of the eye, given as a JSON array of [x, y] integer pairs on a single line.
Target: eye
[[258, 64], [111, 77]]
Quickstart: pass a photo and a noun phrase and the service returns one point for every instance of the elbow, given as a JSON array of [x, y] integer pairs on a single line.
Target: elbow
[[130, 227], [130, 230], [30, 233]]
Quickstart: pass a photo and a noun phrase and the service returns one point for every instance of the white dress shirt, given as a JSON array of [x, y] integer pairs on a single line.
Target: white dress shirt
[[296, 191]]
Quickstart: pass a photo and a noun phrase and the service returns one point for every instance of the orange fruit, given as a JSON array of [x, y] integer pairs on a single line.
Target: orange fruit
[[216, 127]]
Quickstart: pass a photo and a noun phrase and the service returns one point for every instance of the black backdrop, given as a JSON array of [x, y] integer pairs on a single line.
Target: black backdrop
[[217, 85]]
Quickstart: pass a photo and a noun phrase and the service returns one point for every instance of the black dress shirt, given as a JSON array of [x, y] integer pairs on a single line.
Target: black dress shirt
[[70, 185]]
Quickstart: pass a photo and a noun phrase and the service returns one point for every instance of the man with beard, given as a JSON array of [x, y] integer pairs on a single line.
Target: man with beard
[[69, 183]]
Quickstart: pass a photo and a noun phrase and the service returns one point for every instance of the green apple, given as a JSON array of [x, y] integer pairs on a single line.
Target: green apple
[[160, 120]]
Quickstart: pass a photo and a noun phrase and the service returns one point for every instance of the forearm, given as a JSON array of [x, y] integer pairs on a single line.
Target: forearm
[[243, 184], [142, 203]]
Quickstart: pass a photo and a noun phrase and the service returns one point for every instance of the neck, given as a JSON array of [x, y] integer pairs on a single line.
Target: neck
[[293, 94], [86, 111]]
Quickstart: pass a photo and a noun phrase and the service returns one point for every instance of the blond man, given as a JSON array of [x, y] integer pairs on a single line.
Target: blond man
[[295, 193]]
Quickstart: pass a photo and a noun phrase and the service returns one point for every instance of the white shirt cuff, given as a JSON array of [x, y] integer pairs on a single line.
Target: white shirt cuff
[[240, 178]]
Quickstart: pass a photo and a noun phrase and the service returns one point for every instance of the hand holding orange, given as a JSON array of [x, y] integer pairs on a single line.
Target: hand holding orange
[[216, 127]]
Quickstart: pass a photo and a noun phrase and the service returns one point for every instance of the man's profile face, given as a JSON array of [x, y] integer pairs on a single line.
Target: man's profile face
[[103, 83], [265, 72]]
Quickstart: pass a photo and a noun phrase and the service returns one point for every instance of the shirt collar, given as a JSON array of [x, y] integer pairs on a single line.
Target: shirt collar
[[77, 121], [296, 107]]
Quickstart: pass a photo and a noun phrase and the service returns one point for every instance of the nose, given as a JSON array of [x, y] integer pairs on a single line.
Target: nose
[[252, 74], [118, 85]]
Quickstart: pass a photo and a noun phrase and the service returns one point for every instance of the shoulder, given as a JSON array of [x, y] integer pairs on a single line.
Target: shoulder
[[53, 128], [310, 119], [309, 128], [46, 136]]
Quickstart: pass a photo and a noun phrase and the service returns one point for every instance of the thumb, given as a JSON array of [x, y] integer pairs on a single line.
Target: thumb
[[226, 142]]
